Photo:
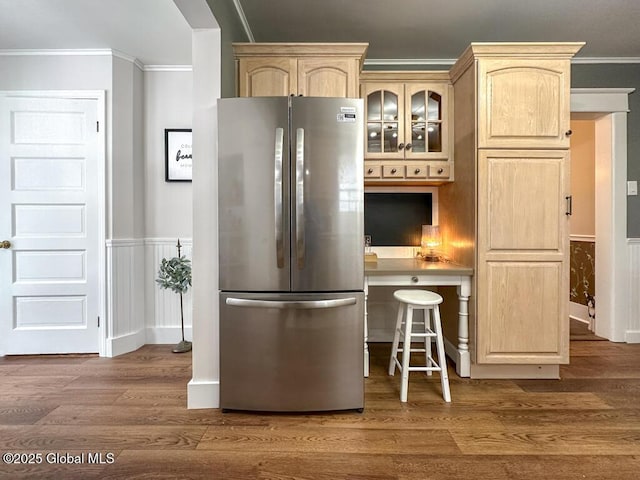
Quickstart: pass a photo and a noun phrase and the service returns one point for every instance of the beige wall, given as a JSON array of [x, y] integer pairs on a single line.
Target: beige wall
[[583, 177]]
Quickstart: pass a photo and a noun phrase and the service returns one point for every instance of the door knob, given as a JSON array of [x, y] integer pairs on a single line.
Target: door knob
[[5, 244]]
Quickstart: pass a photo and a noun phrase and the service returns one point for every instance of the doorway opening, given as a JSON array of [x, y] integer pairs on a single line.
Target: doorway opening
[[607, 109]]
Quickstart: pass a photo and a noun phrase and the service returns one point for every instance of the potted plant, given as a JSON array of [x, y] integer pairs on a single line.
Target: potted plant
[[175, 274]]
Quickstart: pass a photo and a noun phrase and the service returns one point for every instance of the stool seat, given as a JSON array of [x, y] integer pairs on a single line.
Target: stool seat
[[423, 298], [428, 302]]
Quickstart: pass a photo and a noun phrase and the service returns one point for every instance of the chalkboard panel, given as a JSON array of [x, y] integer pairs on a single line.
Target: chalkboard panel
[[395, 219]]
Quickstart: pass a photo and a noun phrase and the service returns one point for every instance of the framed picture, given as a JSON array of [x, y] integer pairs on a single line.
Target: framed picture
[[177, 154]]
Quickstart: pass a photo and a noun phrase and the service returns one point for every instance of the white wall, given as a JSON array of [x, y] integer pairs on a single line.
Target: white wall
[[126, 180], [122, 81], [204, 388], [55, 72], [168, 103], [583, 174]]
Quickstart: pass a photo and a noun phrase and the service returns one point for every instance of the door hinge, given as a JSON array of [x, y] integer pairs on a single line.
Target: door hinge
[[97, 126], [98, 322]]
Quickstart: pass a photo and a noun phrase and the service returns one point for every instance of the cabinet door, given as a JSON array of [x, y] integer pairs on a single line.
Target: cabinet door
[[426, 119], [523, 266], [267, 77], [328, 77], [384, 114], [523, 103]]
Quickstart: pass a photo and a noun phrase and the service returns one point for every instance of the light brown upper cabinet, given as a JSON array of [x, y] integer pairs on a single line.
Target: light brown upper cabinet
[[407, 135], [523, 102], [309, 69]]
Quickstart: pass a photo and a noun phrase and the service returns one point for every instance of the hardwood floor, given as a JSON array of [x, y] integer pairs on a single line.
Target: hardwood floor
[[132, 410]]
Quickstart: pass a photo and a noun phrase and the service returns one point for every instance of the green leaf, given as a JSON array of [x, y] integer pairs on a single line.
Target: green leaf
[[175, 274]]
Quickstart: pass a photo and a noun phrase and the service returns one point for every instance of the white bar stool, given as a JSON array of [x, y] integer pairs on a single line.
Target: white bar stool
[[427, 301]]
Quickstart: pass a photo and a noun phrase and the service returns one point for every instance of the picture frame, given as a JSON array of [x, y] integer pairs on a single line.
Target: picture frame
[[177, 155]]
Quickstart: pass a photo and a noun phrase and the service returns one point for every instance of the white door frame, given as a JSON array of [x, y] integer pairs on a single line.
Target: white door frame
[[100, 97], [609, 106]]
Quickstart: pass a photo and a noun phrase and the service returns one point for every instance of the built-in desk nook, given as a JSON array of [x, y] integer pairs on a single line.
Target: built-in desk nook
[[415, 272]]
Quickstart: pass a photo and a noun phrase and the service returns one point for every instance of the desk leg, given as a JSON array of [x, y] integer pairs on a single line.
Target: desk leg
[[463, 365], [366, 329]]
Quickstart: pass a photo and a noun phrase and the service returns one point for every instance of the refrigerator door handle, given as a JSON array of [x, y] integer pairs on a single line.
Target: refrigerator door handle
[[291, 304], [278, 197], [300, 246]]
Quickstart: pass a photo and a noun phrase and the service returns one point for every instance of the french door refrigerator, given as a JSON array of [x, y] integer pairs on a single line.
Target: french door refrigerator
[[291, 229]]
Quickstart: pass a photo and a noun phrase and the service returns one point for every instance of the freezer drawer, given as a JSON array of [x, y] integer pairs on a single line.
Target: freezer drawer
[[291, 352]]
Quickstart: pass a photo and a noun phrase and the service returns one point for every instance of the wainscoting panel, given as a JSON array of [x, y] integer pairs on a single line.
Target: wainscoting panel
[[633, 330], [125, 295], [163, 306]]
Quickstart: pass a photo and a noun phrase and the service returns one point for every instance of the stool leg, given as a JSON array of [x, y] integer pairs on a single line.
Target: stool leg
[[427, 340], [406, 354], [396, 340], [442, 356]]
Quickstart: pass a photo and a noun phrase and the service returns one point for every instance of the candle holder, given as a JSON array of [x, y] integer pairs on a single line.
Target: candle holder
[[429, 242]]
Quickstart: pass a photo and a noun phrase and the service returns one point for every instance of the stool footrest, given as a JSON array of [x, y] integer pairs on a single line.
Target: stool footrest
[[429, 333], [417, 350], [434, 368]]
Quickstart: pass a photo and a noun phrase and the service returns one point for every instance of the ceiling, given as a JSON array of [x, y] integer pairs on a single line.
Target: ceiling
[[410, 31], [442, 29], [152, 31]]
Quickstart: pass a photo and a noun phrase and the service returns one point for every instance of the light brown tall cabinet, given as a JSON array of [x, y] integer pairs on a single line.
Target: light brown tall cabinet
[[309, 69], [507, 213]]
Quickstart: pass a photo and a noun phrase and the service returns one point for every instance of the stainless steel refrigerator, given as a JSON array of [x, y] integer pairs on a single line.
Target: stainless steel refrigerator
[[291, 229]]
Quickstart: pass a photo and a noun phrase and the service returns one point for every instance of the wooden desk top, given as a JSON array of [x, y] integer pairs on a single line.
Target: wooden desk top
[[413, 266]]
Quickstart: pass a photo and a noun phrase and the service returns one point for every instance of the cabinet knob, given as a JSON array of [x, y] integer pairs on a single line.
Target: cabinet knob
[[416, 171], [408, 147], [568, 133], [440, 170], [5, 244], [394, 170], [414, 279], [401, 146], [370, 171]]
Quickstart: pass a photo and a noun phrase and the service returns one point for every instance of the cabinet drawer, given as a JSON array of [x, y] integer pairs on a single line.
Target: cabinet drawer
[[372, 171], [442, 171], [416, 171], [393, 171]]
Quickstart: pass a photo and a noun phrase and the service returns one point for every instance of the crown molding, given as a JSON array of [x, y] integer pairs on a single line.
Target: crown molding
[[244, 21], [73, 52], [605, 60], [167, 68], [59, 51], [395, 62], [399, 62]]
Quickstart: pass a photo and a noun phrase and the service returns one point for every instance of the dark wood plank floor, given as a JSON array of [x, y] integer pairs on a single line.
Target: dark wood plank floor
[[132, 410]]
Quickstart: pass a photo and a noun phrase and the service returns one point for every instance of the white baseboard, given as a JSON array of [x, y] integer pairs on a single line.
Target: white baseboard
[[203, 394], [125, 343], [632, 336], [579, 312], [167, 335]]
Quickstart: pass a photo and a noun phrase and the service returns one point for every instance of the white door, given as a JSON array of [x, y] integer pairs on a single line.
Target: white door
[[49, 285]]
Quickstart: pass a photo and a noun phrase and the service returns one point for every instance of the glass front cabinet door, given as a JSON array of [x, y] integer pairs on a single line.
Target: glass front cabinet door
[[385, 121], [406, 121]]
